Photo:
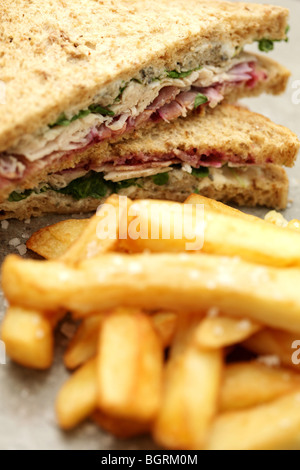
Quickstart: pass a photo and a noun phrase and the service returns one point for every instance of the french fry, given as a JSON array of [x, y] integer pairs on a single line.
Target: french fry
[[28, 338], [190, 399], [165, 326], [218, 233], [220, 332], [52, 242], [199, 403], [77, 399], [160, 226], [276, 343], [158, 282], [220, 207], [120, 428], [85, 342], [90, 244], [268, 426], [130, 365], [56, 242], [251, 384]]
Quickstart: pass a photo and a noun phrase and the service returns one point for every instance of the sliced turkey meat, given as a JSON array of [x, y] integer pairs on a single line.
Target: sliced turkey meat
[[33, 155]]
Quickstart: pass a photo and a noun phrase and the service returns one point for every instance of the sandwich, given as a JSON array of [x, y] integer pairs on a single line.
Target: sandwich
[[229, 154], [94, 73]]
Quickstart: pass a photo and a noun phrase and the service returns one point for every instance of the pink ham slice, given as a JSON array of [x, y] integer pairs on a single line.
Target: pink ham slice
[[257, 75], [171, 111], [241, 73], [103, 133], [11, 168], [213, 95], [143, 161], [143, 117], [166, 95], [187, 99]]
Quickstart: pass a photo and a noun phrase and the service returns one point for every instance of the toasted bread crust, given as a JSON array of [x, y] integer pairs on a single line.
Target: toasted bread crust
[[73, 49], [268, 187]]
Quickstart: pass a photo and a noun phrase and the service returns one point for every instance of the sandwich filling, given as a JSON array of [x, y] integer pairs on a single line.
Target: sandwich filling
[[94, 185], [167, 97]]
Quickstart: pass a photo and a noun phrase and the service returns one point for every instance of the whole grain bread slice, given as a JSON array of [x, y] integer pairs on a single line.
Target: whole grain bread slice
[[56, 56], [266, 186]]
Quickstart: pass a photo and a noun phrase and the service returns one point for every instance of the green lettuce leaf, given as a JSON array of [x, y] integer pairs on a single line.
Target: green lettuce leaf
[[97, 109], [94, 108], [267, 45], [175, 74], [127, 183], [201, 172], [161, 179], [16, 197], [199, 100], [92, 185]]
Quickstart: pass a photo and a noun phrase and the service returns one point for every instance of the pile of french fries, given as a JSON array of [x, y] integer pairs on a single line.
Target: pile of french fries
[[194, 348]]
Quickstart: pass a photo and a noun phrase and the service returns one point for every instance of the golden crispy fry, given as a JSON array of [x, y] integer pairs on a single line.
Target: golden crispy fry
[[160, 225], [120, 354], [165, 326], [224, 234], [120, 428], [90, 244], [160, 281], [77, 399], [28, 338], [190, 398], [276, 343], [251, 384], [53, 241], [220, 207], [220, 332], [270, 426], [130, 365], [85, 342]]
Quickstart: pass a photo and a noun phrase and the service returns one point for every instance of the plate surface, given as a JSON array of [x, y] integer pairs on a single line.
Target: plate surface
[[27, 398]]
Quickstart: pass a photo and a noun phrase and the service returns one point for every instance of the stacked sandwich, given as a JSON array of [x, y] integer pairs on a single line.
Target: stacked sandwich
[[134, 98]]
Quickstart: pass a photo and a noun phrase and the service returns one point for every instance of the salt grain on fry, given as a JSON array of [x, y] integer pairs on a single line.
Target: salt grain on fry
[[270, 361], [213, 312], [135, 268], [4, 224], [194, 275], [22, 249], [40, 334], [14, 242], [244, 325], [218, 331]]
